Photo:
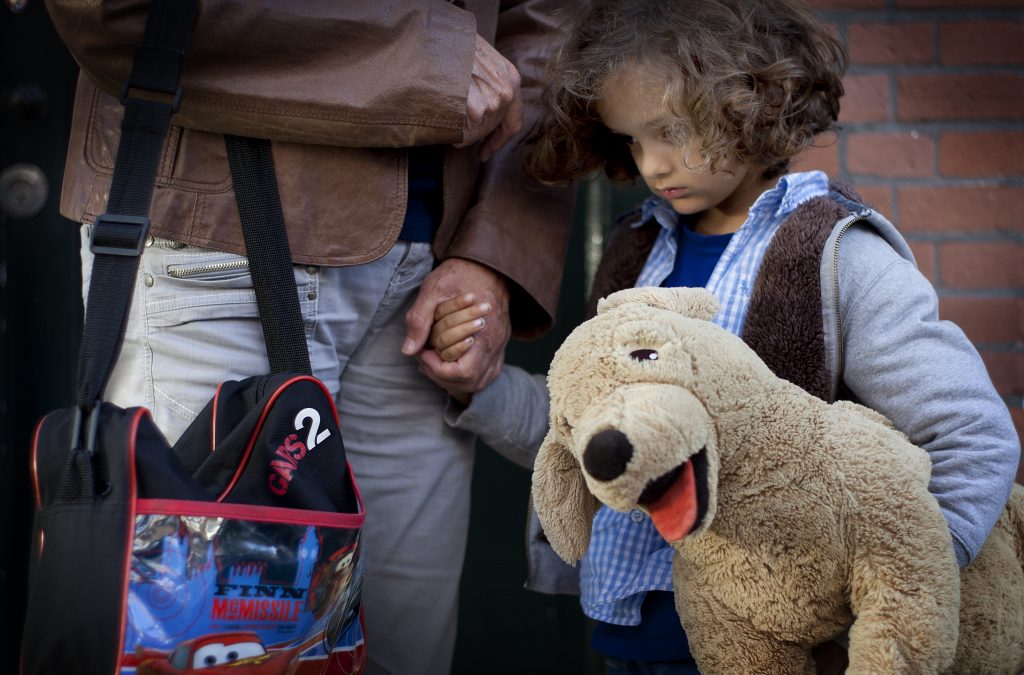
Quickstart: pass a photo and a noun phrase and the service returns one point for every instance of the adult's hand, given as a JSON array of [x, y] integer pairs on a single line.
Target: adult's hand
[[475, 369], [494, 109]]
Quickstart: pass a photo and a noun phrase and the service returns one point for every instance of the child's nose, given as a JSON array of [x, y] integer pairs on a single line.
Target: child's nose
[[654, 164]]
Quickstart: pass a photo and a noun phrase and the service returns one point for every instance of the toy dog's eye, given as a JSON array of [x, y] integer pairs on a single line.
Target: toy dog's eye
[[644, 355]]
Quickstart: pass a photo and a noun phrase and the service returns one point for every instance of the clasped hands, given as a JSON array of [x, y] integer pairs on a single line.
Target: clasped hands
[[459, 337]]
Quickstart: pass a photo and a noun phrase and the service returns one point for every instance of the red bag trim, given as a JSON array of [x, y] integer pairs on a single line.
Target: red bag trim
[[267, 514], [133, 492], [35, 464]]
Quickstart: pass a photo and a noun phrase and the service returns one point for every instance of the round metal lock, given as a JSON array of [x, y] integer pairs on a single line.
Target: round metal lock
[[23, 190]]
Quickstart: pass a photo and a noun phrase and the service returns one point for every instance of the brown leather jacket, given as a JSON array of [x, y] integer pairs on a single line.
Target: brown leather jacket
[[340, 88]]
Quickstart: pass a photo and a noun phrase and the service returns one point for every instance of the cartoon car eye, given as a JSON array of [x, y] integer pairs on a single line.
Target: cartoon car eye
[[218, 653], [644, 355]]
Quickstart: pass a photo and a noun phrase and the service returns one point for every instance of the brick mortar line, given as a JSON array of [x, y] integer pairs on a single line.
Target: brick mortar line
[[1014, 400], [875, 180], [997, 124], [935, 68], [988, 237], [844, 17], [1001, 347], [976, 294]]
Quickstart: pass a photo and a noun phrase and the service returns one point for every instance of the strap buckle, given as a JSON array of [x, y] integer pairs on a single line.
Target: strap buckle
[[174, 102], [92, 417], [155, 70], [114, 234]]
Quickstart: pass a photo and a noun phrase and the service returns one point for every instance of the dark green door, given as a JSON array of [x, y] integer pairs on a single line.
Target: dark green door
[[40, 306]]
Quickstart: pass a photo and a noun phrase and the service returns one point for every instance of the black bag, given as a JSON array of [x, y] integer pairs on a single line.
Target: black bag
[[237, 547]]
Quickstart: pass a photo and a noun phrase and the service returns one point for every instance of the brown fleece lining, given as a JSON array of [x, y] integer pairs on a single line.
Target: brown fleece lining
[[623, 259], [784, 321]]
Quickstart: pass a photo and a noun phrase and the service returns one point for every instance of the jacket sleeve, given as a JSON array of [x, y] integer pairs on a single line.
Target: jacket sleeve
[[926, 376], [387, 73], [517, 435], [515, 219]]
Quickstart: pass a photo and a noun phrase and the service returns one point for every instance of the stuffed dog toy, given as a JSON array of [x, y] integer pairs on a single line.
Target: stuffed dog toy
[[793, 520]]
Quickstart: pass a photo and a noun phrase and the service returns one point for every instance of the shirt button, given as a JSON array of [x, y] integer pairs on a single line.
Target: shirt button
[[148, 280], [312, 269], [637, 516]]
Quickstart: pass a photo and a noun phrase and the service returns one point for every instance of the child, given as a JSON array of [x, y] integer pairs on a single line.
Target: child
[[707, 101]]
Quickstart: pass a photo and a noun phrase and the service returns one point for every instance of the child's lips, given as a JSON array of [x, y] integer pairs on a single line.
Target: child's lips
[[673, 192]]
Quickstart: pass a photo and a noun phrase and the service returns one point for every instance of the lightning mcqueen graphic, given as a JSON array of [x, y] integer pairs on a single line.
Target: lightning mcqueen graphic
[[233, 653]]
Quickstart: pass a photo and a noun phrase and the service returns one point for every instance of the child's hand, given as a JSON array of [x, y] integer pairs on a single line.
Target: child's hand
[[455, 323]]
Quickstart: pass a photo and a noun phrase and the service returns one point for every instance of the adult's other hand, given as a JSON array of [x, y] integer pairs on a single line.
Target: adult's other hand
[[494, 109]]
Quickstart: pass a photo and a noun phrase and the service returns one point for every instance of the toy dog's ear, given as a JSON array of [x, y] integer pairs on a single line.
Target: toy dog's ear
[[695, 303], [564, 505]]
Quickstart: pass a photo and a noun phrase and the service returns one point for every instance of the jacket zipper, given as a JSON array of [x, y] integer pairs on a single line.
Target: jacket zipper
[[185, 272], [840, 342]]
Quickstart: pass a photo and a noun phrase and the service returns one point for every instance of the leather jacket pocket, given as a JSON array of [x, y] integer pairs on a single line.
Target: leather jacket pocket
[[197, 155]]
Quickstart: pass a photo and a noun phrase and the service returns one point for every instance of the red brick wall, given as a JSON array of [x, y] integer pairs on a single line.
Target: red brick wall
[[933, 137]]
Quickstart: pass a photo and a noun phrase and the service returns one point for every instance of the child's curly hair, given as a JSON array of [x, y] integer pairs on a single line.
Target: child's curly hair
[[753, 80]]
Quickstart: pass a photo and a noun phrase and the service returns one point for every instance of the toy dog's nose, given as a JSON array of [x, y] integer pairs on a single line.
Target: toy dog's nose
[[607, 454]]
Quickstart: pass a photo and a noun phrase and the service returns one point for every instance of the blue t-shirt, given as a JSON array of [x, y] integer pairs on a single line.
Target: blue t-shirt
[[425, 205], [696, 257], [660, 637]]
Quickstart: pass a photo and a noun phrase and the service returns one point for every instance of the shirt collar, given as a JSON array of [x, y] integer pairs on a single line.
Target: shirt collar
[[660, 210], [792, 190]]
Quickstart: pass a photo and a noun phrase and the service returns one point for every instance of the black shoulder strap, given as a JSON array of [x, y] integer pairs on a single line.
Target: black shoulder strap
[[119, 235], [150, 97], [270, 259]]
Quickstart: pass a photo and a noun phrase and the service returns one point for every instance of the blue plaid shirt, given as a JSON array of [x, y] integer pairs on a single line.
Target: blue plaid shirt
[[627, 557]]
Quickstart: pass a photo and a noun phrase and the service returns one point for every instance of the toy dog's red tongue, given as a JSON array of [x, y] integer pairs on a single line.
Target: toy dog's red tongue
[[675, 512]]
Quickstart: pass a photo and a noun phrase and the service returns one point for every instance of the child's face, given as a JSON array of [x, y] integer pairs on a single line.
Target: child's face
[[632, 106]]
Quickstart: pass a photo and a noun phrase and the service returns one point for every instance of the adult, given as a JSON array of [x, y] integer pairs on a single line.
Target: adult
[[394, 127]]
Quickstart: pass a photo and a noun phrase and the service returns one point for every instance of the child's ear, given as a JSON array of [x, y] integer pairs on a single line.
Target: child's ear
[[695, 303], [564, 504]]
